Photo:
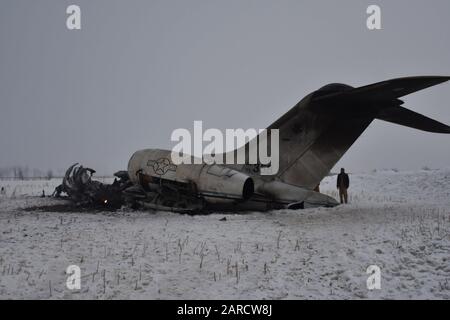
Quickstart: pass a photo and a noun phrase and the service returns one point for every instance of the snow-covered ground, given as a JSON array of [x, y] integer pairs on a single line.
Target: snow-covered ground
[[399, 221]]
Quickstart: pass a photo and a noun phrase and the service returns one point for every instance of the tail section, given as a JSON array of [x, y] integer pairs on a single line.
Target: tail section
[[408, 118], [318, 131]]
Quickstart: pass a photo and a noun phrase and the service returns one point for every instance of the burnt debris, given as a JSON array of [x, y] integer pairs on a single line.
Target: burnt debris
[[79, 187]]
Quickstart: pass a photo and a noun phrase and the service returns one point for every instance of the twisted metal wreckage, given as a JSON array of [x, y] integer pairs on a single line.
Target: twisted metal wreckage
[[313, 136], [84, 191]]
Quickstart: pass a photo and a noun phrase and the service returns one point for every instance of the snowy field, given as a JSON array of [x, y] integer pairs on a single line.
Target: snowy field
[[399, 221]]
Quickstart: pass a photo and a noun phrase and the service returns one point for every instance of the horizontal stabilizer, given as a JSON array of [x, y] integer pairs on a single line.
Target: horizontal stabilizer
[[408, 118], [385, 90]]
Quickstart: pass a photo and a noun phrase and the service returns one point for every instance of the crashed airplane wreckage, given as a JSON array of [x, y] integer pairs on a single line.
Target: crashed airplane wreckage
[[314, 135], [84, 191]]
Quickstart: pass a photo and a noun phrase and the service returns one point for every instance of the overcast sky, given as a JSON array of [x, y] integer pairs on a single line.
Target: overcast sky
[[137, 70]]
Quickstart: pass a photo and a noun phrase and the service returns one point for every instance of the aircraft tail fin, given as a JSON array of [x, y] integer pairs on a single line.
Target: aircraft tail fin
[[318, 131]]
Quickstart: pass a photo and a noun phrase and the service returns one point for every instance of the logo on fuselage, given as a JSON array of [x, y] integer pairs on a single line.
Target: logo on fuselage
[[161, 166]]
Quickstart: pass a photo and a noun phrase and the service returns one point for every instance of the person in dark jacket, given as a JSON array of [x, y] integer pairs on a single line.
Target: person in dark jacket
[[343, 183]]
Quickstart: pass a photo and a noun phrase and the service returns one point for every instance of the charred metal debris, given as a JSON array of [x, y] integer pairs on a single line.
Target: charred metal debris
[[85, 192]]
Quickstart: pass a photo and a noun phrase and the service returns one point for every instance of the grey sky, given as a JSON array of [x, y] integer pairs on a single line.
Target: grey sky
[[139, 69]]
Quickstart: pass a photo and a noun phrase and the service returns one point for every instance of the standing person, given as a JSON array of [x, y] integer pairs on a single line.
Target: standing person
[[343, 182]]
